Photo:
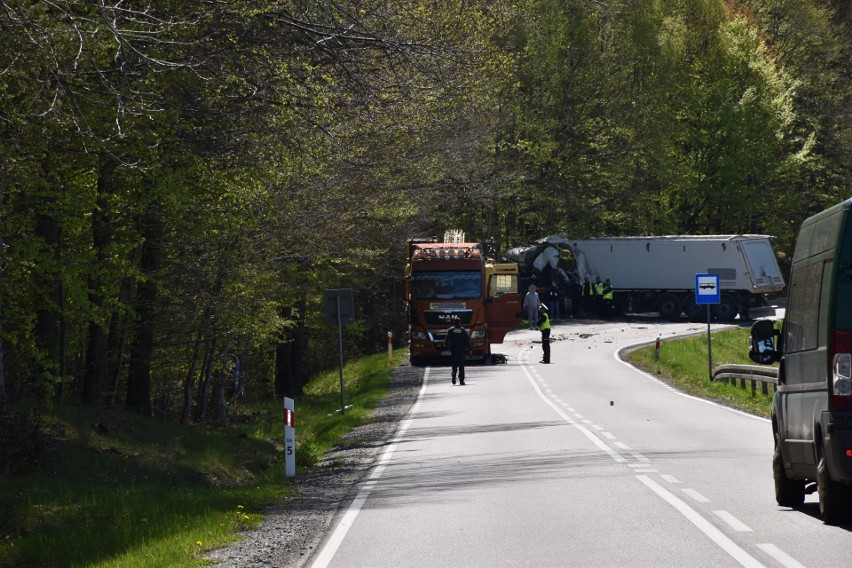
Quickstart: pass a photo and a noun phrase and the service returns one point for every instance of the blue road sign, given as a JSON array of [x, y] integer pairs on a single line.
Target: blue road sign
[[707, 289]]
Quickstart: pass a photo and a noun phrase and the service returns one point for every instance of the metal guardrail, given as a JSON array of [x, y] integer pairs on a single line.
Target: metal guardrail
[[744, 374]]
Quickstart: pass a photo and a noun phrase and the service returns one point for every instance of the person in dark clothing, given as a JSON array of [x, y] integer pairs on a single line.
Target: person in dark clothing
[[458, 343], [576, 295], [554, 297], [544, 326], [588, 297]]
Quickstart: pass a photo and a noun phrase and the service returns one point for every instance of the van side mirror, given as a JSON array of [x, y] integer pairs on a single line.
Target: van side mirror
[[762, 345]]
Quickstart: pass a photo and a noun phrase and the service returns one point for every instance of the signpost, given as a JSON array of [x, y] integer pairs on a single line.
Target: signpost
[[340, 310], [289, 437], [707, 292]]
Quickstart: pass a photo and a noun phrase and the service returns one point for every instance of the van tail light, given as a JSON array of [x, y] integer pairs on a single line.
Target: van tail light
[[841, 367]]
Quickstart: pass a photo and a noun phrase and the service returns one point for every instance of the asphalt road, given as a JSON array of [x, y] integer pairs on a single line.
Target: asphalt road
[[583, 462]]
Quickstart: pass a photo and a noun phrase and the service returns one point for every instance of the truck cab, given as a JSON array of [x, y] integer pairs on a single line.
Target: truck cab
[[447, 280]]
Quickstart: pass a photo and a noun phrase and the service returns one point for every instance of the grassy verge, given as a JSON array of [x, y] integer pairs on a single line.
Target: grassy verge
[[683, 363], [117, 489]]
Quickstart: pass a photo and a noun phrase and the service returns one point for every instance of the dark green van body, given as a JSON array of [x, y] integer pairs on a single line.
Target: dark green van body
[[819, 303]]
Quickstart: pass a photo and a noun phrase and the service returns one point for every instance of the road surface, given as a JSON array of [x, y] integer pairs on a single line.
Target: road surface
[[583, 462]]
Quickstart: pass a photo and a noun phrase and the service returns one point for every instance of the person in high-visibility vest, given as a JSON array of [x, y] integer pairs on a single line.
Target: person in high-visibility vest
[[544, 326], [607, 299], [599, 291], [587, 294]]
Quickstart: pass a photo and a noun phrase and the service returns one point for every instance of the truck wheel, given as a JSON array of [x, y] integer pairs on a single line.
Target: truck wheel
[[669, 306], [832, 495], [695, 312], [726, 309], [788, 492]]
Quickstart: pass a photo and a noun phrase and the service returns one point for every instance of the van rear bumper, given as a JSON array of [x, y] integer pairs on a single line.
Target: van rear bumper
[[838, 446]]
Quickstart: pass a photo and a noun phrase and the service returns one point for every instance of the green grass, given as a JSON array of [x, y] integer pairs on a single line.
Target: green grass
[[117, 489], [683, 363]]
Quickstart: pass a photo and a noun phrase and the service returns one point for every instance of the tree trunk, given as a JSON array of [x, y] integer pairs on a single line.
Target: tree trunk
[[142, 347], [96, 369], [206, 372], [47, 328], [2, 358], [189, 381], [220, 406]]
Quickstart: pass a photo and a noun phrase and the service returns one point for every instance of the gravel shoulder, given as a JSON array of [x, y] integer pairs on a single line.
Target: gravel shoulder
[[291, 532]]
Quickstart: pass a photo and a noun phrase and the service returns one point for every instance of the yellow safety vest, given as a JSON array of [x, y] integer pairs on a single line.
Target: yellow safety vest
[[546, 323]]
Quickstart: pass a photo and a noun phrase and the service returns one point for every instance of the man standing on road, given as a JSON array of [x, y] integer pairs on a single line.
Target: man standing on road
[[544, 326], [458, 344]]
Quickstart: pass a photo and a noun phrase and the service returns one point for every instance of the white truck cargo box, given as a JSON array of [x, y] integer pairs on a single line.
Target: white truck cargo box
[[743, 262], [659, 271]]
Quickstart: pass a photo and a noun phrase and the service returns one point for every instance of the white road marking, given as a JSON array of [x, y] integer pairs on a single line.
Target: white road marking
[[336, 539], [702, 524], [696, 495], [732, 521], [586, 432], [670, 478], [782, 557]]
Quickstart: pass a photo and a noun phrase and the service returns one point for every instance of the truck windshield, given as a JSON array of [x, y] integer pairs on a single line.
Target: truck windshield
[[446, 285]]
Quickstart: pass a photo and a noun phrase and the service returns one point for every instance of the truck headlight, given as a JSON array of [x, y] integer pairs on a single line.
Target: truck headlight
[[418, 335], [479, 334]]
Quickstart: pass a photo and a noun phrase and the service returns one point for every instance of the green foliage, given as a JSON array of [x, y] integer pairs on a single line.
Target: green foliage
[[117, 489], [684, 363], [179, 184]]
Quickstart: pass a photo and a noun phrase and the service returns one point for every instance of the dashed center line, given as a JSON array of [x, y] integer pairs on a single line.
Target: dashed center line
[[644, 466], [732, 521], [696, 495]]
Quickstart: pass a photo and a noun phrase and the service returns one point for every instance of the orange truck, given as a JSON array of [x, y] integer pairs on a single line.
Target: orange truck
[[447, 279]]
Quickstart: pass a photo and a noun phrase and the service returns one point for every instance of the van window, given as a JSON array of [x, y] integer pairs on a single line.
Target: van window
[[843, 282], [801, 322]]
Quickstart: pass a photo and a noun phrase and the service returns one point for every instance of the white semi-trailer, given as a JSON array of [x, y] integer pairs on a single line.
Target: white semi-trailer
[[658, 272]]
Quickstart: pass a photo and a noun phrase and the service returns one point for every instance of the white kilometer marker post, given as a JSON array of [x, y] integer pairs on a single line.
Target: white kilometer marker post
[[289, 437]]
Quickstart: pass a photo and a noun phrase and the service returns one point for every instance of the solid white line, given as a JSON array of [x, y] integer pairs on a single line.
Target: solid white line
[[696, 495], [617, 355], [782, 557], [336, 539], [717, 536], [734, 522]]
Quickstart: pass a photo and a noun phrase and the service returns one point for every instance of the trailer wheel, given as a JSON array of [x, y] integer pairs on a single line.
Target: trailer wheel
[[695, 312], [726, 309], [669, 306]]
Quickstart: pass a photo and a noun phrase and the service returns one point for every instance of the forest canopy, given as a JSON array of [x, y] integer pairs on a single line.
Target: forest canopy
[[180, 181]]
